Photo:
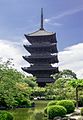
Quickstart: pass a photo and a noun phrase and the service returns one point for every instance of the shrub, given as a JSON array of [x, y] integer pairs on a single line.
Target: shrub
[[82, 111], [23, 103], [56, 110], [52, 103], [74, 101], [68, 104], [5, 115]]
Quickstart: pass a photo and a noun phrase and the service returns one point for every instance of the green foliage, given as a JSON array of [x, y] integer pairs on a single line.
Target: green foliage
[[16, 89], [30, 81], [5, 115], [56, 110], [76, 83], [49, 90], [68, 104], [13, 89], [74, 101], [60, 90], [52, 103], [82, 111], [65, 74], [38, 92], [63, 89], [23, 103]]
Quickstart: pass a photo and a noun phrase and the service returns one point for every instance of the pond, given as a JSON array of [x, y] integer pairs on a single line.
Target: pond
[[29, 113]]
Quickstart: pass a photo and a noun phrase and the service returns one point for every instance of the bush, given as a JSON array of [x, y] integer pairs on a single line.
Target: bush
[[68, 104], [56, 110], [74, 101], [52, 103], [5, 115], [23, 103], [82, 111]]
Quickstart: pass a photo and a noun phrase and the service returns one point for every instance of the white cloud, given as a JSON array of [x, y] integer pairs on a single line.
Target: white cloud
[[70, 58], [46, 20], [13, 50], [63, 14], [49, 21], [69, 12]]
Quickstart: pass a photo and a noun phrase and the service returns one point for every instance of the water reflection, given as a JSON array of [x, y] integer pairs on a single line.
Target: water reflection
[[30, 113]]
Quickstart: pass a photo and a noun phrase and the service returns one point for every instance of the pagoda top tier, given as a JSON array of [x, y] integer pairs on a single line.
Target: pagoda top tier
[[41, 31]]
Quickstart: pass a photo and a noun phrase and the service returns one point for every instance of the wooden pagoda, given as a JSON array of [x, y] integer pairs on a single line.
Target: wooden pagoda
[[44, 52]]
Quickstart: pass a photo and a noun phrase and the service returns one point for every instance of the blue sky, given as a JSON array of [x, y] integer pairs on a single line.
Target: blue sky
[[65, 17], [23, 16]]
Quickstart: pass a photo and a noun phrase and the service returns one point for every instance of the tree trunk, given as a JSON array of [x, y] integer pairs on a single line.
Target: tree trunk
[[76, 97]]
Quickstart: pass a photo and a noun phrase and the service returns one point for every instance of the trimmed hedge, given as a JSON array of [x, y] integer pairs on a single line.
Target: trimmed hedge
[[56, 110], [5, 115], [68, 104], [74, 101], [52, 103], [82, 111]]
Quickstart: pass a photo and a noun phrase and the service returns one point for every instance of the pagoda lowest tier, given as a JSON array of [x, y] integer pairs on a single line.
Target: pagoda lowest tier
[[42, 72], [43, 50]]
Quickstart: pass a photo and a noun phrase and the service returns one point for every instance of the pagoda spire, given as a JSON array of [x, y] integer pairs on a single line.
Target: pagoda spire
[[41, 19]]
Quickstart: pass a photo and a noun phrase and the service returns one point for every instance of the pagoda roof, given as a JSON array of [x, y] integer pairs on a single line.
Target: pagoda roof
[[50, 59], [33, 68], [41, 45], [41, 32], [40, 56]]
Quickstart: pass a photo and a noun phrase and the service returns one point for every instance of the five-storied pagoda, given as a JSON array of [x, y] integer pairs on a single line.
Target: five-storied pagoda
[[43, 51]]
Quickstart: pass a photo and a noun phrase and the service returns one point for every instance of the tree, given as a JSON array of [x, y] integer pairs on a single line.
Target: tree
[[65, 74], [76, 84], [31, 81], [13, 89], [38, 92]]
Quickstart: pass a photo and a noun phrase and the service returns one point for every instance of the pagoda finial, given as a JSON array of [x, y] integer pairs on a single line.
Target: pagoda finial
[[41, 19]]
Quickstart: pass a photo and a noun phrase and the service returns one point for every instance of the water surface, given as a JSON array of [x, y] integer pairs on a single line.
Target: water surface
[[29, 113]]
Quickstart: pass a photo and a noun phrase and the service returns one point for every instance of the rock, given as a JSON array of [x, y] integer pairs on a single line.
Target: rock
[[57, 118], [65, 118], [75, 118]]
